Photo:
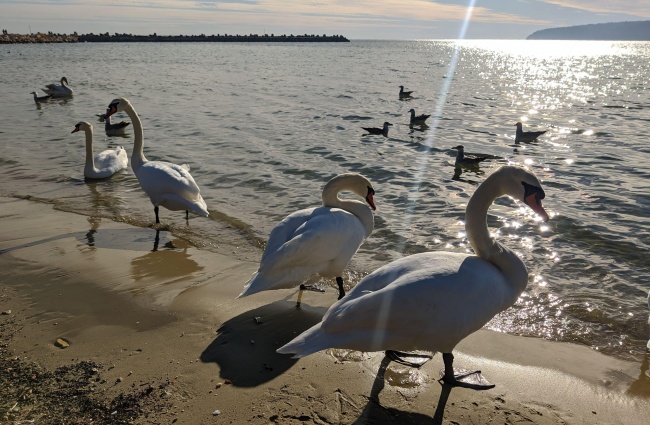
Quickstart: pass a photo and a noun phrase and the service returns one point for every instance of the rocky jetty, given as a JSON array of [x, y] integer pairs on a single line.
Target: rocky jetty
[[50, 37]]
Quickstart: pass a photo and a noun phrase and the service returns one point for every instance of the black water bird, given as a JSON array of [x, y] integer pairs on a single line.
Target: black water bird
[[113, 129], [40, 99], [417, 119], [469, 159], [377, 130], [404, 94], [526, 136]]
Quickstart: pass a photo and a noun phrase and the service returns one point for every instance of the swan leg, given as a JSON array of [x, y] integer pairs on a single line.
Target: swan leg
[[155, 209], [302, 289], [400, 357], [456, 380], [187, 215], [339, 282]]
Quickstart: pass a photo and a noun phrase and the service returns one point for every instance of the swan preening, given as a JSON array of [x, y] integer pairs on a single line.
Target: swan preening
[[417, 119], [113, 129], [167, 185], [105, 163], [376, 130], [526, 136], [57, 90], [431, 301], [317, 241], [40, 99], [403, 94]]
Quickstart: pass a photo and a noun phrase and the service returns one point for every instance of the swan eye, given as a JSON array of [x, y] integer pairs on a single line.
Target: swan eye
[[529, 189], [369, 198]]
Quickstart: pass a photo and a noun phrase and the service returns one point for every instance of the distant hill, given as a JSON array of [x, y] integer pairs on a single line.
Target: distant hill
[[637, 31]]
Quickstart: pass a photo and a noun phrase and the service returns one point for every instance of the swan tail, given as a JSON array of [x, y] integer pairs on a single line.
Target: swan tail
[[308, 342], [261, 281]]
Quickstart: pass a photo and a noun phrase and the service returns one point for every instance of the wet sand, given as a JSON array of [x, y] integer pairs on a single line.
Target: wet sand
[[168, 318]]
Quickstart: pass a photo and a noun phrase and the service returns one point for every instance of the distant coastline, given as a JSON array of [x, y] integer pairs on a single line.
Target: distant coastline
[[613, 31], [7, 38]]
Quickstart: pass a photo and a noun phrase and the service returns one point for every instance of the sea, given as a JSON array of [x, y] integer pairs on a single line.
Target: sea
[[264, 126]]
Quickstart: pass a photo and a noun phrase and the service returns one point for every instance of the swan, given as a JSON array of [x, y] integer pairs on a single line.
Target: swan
[[117, 129], [403, 93], [105, 163], [167, 185], [470, 159], [317, 241], [40, 99], [419, 119], [526, 136], [59, 90], [431, 301], [376, 130]]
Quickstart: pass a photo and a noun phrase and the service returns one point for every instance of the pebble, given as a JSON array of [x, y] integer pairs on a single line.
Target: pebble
[[216, 413], [61, 343], [5, 313]]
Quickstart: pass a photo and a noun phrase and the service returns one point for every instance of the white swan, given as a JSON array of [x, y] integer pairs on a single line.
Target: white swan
[[57, 90], [431, 301], [317, 241], [113, 129], [105, 163], [167, 185]]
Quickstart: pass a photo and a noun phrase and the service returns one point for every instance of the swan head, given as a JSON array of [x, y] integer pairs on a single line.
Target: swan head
[[524, 186], [102, 117], [82, 125], [459, 148], [518, 125], [355, 183], [386, 124], [64, 81], [117, 105]]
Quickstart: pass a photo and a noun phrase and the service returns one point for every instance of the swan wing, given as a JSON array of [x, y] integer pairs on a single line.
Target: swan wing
[[325, 239], [170, 186], [404, 306], [108, 162], [313, 241]]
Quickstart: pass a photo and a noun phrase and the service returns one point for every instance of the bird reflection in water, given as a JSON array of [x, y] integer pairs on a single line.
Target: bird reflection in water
[[168, 262]]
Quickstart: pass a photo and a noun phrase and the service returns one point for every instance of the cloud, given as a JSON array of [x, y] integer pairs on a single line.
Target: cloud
[[638, 9]]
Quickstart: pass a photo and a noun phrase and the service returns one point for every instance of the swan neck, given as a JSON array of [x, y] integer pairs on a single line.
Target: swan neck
[[484, 245], [358, 208], [90, 162], [137, 157]]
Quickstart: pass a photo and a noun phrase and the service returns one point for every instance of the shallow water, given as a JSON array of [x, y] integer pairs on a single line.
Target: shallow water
[[264, 126]]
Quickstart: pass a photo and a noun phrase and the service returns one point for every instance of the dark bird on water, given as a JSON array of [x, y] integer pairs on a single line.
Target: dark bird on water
[[377, 130], [470, 159], [417, 119], [113, 129], [404, 94], [526, 136], [40, 99]]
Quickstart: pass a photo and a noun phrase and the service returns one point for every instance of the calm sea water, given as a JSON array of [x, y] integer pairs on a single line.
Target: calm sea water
[[264, 126]]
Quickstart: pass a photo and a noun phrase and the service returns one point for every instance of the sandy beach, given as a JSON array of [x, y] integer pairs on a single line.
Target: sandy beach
[[153, 324]]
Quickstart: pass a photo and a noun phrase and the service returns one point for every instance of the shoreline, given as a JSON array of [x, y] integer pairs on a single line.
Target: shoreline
[[168, 320]]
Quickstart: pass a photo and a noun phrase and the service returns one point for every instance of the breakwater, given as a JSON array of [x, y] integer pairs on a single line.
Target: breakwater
[[7, 38]]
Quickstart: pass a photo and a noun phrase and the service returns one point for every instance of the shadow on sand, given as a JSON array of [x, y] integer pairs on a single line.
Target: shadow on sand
[[375, 413], [245, 346]]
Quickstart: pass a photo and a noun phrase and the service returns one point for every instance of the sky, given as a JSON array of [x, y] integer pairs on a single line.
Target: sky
[[354, 19]]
